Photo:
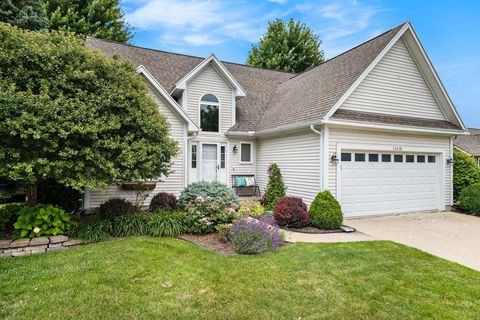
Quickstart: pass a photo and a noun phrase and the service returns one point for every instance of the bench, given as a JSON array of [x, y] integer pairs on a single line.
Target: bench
[[255, 188]]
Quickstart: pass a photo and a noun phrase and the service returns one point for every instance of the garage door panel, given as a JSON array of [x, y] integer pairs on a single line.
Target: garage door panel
[[384, 187]]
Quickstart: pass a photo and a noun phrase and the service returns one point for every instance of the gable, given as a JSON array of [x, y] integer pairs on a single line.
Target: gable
[[210, 81], [395, 86]]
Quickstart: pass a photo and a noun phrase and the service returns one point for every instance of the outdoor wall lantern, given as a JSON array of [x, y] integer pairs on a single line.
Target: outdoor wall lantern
[[450, 161], [235, 149], [334, 158]]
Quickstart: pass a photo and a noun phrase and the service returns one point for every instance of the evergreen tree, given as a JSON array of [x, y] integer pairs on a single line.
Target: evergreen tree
[[275, 187], [25, 14]]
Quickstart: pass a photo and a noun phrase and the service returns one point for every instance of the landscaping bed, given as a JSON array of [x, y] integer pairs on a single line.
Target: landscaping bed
[[210, 241]]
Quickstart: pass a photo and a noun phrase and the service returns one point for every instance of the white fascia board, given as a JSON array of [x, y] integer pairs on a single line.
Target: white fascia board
[[366, 72], [192, 127], [240, 133], [386, 127], [182, 83]]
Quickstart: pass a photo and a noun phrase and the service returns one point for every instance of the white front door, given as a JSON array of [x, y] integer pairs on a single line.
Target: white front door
[[209, 162], [374, 182]]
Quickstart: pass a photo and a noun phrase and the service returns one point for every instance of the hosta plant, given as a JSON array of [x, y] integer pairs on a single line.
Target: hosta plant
[[41, 220]]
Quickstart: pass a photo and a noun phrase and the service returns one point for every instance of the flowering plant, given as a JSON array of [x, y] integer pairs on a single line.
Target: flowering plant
[[251, 236], [205, 214], [250, 208]]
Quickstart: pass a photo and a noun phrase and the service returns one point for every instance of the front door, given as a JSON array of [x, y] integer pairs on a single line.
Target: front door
[[209, 162]]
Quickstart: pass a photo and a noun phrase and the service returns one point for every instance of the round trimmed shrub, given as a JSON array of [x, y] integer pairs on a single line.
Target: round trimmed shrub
[[326, 212], [115, 207], [163, 200], [291, 212], [209, 190], [469, 199]]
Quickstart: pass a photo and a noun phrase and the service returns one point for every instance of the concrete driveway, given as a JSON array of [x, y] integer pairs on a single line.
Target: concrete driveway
[[449, 235]]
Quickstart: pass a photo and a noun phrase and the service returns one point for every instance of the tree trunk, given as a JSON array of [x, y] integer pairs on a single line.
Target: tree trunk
[[32, 199]]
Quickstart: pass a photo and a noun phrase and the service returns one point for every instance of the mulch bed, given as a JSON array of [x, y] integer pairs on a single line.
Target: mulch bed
[[210, 241], [312, 230]]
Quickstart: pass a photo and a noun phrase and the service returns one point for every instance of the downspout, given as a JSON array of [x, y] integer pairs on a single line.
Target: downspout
[[320, 173]]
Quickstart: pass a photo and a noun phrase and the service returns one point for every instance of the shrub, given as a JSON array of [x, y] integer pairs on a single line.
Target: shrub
[[325, 211], [163, 200], [209, 190], [250, 236], [275, 187], [92, 229], [115, 207], [133, 224], [8, 215], [54, 193], [166, 224], [292, 212], [469, 199], [204, 215], [41, 220], [250, 208], [465, 172], [223, 231]]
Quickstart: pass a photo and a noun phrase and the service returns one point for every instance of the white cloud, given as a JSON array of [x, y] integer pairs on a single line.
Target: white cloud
[[279, 1], [200, 40]]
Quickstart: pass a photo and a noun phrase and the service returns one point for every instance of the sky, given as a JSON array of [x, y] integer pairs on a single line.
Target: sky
[[448, 30]]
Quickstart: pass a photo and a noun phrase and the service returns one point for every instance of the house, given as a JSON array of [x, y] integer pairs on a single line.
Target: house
[[469, 144], [373, 125]]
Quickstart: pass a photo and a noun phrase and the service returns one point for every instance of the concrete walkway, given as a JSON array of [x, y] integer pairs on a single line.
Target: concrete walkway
[[449, 235]]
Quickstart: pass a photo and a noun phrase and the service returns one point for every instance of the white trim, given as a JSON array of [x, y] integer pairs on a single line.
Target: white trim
[[182, 83], [185, 157], [240, 153], [391, 149], [325, 156], [451, 171], [366, 72], [386, 127], [177, 108], [478, 162], [218, 104], [86, 198]]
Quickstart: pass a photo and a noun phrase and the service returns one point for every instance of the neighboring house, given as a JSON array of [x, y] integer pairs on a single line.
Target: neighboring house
[[470, 144], [373, 125]]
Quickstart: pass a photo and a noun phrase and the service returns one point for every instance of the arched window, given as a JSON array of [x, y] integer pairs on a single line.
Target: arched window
[[209, 113]]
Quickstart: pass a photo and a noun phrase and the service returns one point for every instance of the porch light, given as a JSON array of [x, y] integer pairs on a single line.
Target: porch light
[[235, 149], [334, 158], [450, 161]]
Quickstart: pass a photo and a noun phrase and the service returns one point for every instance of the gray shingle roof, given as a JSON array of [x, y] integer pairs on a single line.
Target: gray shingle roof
[[390, 119], [273, 98], [471, 143]]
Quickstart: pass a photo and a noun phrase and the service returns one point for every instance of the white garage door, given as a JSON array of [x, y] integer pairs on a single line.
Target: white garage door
[[379, 183]]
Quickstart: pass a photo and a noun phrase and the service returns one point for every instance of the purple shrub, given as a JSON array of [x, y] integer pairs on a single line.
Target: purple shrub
[[251, 236]]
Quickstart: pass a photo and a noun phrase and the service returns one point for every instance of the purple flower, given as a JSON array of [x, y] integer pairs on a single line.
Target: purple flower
[[251, 236]]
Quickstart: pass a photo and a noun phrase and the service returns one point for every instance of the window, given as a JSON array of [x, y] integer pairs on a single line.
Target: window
[[346, 156], [421, 159], [431, 159], [398, 158], [478, 161], [386, 158], [360, 157], [222, 157], [246, 152], [194, 156], [373, 157], [209, 113], [410, 158]]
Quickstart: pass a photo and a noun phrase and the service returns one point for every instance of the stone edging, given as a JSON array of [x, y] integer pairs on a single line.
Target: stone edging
[[26, 247]]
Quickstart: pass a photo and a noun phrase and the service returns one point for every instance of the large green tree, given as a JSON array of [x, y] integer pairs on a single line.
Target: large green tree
[[73, 115], [98, 18], [26, 14], [291, 46]]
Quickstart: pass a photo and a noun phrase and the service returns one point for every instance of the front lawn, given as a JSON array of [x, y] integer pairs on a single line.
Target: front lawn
[[162, 278]]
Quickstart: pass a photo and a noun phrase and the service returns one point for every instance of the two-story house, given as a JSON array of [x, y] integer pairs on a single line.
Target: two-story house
[[373, 125]]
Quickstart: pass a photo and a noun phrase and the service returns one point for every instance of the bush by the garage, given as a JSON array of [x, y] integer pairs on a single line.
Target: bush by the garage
[[325, 211], [291, 212], [469, 199], [465, 172]]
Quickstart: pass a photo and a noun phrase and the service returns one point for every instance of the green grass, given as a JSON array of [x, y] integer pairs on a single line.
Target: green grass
[[130, 279]]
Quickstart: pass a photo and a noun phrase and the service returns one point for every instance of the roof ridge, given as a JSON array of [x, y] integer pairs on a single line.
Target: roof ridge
[[188, 55]]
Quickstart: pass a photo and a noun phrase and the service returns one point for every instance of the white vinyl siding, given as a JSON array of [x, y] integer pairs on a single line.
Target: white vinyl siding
[[210, 81], [395, 86], [172, 184], [237, 168], [365, 137], [298, 157]]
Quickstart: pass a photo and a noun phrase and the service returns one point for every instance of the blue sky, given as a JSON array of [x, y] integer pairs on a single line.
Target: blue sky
[[449, 31]]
